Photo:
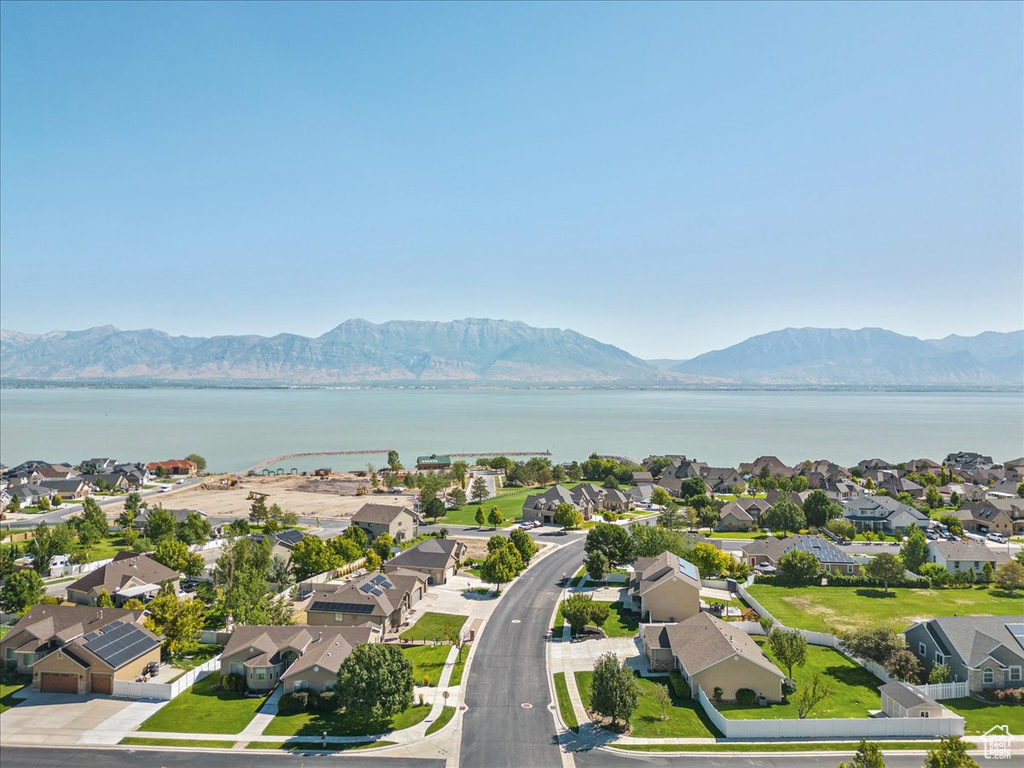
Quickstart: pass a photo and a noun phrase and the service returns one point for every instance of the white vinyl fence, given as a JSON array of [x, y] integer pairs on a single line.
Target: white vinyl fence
[[75, 570], [940, 691], [165, 691], [833, 728]]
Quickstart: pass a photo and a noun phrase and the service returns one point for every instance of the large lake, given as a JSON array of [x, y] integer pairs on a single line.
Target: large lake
[[237, 428]]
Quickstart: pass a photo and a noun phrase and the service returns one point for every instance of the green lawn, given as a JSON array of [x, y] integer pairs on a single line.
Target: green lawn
[[204, 709], [340, 724], [427, 660], [510, 505], [854, 689], [816, 746], [826, 609], [620, 623], [191, 659], [442, 720], [564, 702], [298, 746], [8, 694], [459, 666], [981, 715], [430, 624], [685, 716], [136, 741], [3, 631]]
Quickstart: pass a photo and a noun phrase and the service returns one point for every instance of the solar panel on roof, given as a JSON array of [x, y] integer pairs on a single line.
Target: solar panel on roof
[[688, 569], [1017, 630], [119, 642], [323, 605]]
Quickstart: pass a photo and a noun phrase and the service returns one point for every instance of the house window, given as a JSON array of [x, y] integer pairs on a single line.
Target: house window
[[849, 569], [926, 713], [11, 652], [988, 676], [339, 617], [922, 649], [301, 685], [237, 668], [1014, 674], [261, 674], [939, 658]]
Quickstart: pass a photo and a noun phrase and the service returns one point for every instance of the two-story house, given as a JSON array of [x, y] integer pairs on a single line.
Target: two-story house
[[986, 651], [664, 588], [375, 519]]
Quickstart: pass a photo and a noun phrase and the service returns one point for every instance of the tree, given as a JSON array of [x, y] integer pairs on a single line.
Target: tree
[[501, 566], [456, 497], [614, 692], [373, 561], [459, 469], [885, 568], [1010, 576], [660, 497], [478, 490], [198, 460], [707, 517], [497, 542], [915, 549], [311, 556], [175, 555], [280, 572], [819, 509], [179, 621], [375, 682], [434, 508], [867, 755], [160, 525], [710, 560], [1020, 490], [567, 516], [988, 572], [670, 517], [613, 541], [611, 482], [842, 528], [21, 590], [662, 698], [495, 518], [799, 567], [43, 503], [527, 546], [811, 695], [933, 497], [382, 545], [577, 609], [104, 600], [903, 665], [597, 565], [195, 529], [357, 535], [480, 518], [874, 643], [789, 647], [14, 505], [345, 548], [393, 462], [692, 486], [239, 527], [599, 613], [451, 633], [940, 673], [258, 511], [953, 523], [951, 753], [785, 516]]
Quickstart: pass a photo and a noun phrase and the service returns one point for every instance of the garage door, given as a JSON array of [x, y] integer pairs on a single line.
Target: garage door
[[51, 682], [102, 683]]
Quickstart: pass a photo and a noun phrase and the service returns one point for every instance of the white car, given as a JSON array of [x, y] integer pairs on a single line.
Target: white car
[[996, 537]]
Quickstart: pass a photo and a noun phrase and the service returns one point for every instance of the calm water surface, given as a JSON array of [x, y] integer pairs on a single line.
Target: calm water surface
[[237, 428]]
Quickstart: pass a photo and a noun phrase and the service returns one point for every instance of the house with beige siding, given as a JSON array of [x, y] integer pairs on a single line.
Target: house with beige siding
[[710, 653], [902, 700], [375, 519], [437, 559], [128, 576], [742, 514], [665, 588], [378, 599], [957, 556]]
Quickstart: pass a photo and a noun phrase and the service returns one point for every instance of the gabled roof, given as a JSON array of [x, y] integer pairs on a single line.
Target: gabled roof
[[379, 514], [329, 648], [432, 553], [66, 622], [879, 508], [122, 570], [550, 499], [652, 571], [119, 642], [270, 640], [968, 550], [702, 641], [976, 638], [823, 549], [906, 696]]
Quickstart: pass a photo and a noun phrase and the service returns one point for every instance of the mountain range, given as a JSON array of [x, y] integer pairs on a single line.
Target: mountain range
[[501, 352]]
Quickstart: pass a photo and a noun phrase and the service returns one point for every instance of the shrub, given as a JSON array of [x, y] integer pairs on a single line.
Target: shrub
[[1006, 695], [678, 686], [745, 696], [788, 686], [717, 695], [233, 682], [323, 702], [293, 703]]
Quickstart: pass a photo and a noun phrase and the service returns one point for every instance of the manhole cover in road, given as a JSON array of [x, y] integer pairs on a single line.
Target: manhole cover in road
[[516, 621], [526, 705]]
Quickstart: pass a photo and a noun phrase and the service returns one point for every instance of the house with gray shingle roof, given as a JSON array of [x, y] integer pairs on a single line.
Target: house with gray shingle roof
[[956, 556], [902, 700], [986, 651], [769, 551], [128, 576], [376, 599], [882, 513], [742, 514], [437, 559], [664, 588], [398, 521]]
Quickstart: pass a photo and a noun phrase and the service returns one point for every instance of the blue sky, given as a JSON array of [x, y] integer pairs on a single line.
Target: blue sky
[[670, 178]]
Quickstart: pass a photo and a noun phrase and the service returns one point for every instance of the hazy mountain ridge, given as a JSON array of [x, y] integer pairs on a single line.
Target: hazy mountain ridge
[[868, 356]]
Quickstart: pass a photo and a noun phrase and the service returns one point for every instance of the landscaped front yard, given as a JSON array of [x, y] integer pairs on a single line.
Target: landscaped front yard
[[430, 625], [685, 716], [340, 724], [826, 609], [9, 694], [981, 715], [427, 660], [204, 709], [620, 623], [854, 689]]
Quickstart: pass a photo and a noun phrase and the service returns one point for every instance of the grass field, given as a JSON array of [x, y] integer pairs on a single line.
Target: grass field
[[685, 716], [340, 724], [430, 624], [9, 694], [442, 720], [980, 715], [459, 666], [854, 689], [202, 654], [136, 741], [427, 660], [510, 505], [826, 609], [204, 709], [620, 623], [564, 702]]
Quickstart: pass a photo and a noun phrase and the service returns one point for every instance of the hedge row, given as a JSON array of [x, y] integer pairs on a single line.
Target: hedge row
[[842, 581], [307, 701]]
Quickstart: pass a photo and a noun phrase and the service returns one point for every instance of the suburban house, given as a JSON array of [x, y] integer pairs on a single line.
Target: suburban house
[[587, 498], [722, 479], [665, 588], [710, 653], [968, 460], [986, 651], [883, 513], [302, 657], [55, 472], [680, 469], [97, 466], [774, 496], [840, 490], [381, 600], [436, 559], [902, 700], [175, 467], [433, 462], [765, 554], [281, 542], [375, 519], [957, 556], [770, 466], [986, 517], [640, 493], [742, 514], [107, 480], [29, 494], [73, 649], [894, 486], [72, 488], [642, 477], [127, 576]]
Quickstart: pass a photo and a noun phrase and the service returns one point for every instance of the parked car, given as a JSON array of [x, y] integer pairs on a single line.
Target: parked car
[[996, 537]]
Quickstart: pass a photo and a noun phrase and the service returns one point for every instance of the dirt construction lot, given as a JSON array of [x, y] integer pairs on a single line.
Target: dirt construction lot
[[329, 498]]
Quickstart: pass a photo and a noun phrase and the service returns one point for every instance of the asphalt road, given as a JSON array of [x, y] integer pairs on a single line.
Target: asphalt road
[[52, 757], [510, 669]]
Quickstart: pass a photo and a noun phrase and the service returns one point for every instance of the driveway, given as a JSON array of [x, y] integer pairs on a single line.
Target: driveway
[[65, 719]]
